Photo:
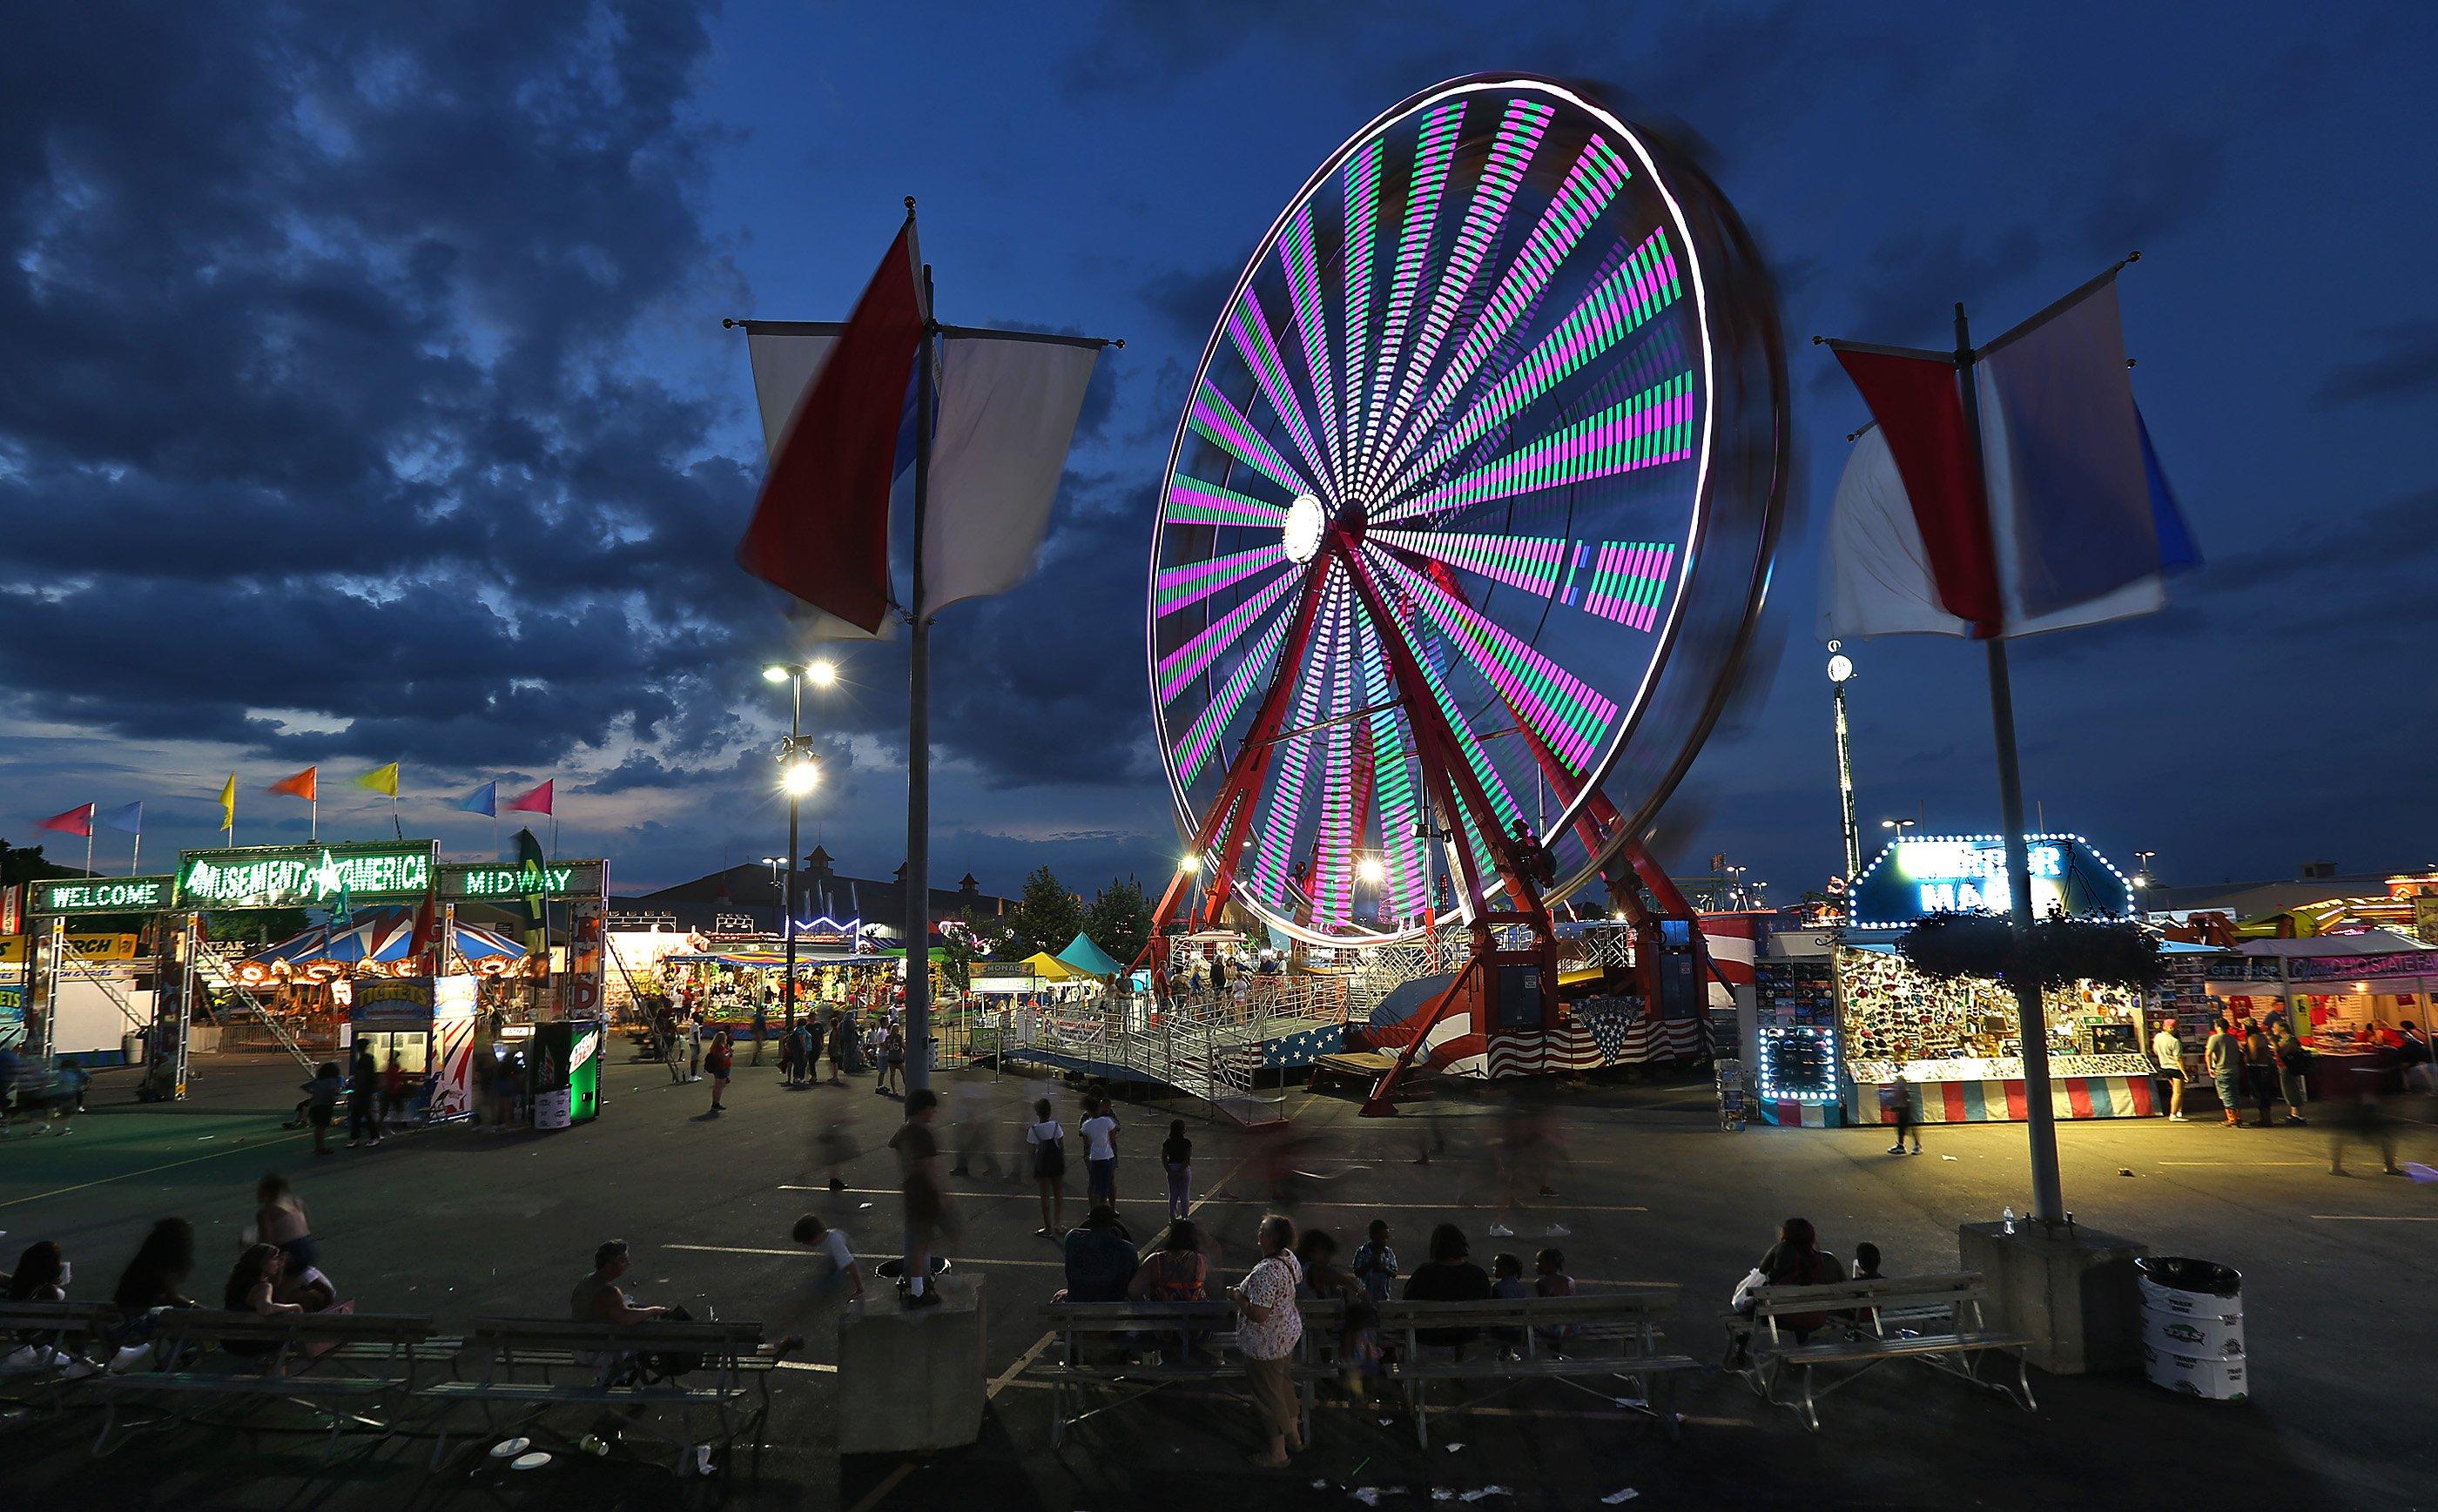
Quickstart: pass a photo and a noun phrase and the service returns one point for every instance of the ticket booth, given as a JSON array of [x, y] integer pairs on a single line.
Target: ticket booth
[[428, 1024], [565, 1057]]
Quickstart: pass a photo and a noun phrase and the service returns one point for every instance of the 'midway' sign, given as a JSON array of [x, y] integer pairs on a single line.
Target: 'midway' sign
[[507, 882], [1920, 875], [301, 876]]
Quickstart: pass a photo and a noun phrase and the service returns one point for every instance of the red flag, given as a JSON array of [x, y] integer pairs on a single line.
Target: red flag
[[1920, 406], [427, 928], [306, 784], [820, 527], [77, 820], [537, 802]]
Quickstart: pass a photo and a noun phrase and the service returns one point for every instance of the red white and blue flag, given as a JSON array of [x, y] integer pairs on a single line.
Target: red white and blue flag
[[821, 528], [2067, 519]]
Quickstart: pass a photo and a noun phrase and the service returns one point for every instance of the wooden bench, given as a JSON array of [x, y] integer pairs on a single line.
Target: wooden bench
[[1612, 1334], [71, 1340], [1141, 1347], [1935, 1319], [332, 1362], [517, 1369]]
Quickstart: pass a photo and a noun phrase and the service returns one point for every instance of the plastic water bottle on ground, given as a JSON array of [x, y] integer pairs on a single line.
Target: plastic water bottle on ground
[[2009, 1215]]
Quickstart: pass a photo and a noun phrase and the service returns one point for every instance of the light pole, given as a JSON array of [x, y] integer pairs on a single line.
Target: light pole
[[1841, 671], [2142, 872], [798, 777], [1899, 825]]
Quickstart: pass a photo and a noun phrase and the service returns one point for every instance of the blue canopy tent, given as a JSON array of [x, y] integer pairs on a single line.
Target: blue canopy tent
[[1090, 959]]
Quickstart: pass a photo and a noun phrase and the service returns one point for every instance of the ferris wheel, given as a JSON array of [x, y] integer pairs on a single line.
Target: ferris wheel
[[1467, 519]]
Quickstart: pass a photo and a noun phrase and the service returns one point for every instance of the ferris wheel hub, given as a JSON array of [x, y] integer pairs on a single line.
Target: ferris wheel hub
[[1300, 536]]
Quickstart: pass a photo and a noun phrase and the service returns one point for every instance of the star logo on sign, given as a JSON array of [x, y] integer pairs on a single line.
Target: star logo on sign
[[324, 878]]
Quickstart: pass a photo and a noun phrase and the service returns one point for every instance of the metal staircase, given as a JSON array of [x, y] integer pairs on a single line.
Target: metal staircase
[[217, 976]]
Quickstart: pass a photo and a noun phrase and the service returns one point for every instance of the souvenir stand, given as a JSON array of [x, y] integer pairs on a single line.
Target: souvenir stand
[[1958, 1043]]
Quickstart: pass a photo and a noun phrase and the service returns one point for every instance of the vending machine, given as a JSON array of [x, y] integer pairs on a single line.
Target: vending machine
[[566, 1060]]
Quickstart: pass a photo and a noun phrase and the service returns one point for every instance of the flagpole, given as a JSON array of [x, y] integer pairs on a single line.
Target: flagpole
[[918, 731], [135, 854], [2048, 1194], [94, 814], [313, 813]]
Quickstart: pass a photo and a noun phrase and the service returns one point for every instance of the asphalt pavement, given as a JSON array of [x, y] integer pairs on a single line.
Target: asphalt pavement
[[460, 1223]]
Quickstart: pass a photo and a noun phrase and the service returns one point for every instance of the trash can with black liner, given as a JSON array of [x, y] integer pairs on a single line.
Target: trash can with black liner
[[2192, 1327]]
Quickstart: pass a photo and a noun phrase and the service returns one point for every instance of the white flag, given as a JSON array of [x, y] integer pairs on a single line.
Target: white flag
[[1008, 405]]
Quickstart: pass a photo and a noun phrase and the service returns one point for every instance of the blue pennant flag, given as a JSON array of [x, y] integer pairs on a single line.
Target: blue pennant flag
[[484, 800], [128, 819]]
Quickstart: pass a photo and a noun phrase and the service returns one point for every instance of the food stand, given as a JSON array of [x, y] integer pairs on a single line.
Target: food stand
[[429, 1023], [1958, 1043]]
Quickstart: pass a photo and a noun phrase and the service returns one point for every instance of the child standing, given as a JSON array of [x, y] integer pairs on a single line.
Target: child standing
[[1176, 1155], [1375, 1263]]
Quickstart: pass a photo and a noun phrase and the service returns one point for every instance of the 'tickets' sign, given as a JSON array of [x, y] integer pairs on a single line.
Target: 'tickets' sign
[[1920, 875], [301, 876]]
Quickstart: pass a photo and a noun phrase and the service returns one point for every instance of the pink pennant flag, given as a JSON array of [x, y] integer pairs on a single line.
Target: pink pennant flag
[[77, 820], [537, 802]]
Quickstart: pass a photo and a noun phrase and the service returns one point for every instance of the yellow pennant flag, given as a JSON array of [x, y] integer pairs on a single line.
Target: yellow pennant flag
[[381, 780], [228, 804]]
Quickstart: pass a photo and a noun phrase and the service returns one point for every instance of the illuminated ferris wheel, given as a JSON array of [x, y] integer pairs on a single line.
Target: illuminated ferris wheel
[[1467, 519]]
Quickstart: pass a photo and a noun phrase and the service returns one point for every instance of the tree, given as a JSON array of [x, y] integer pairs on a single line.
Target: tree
[[1119, 919], [1048, 916]]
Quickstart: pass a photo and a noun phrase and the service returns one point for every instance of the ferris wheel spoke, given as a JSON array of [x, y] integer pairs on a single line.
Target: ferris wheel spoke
[[1624, 581], [1177, 587], [1562, 710], [1312, 329], [1221, 423], [1260, 350], [1202, 736], [1655, 427], [1590, 186], [1532, 563], [1519, 135], [1392, 784], [1433, 151], [1182, 666], [1192, 502], [1274, 853], [1362, 217], [1614, 309]]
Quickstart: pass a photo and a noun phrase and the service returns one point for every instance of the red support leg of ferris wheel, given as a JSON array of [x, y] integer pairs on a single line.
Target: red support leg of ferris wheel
[[1456, 795]]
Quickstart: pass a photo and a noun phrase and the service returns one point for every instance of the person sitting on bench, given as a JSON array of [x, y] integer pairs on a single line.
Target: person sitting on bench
[[1798, 1260]]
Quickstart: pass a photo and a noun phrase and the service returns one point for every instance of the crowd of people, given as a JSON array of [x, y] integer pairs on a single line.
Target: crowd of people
[[276, 1272]]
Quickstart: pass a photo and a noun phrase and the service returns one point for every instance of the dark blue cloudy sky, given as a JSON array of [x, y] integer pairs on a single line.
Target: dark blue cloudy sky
[[363, 393]]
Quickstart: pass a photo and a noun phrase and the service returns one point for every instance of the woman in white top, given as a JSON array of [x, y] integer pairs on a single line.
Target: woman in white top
[[1271, 1325], [1049, 1142], [2169, 1051]]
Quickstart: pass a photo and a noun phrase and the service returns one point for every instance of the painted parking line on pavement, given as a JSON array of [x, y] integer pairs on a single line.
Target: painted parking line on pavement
[[230, 1148], [2370, 1218], [2240, 1162], [1223, 1198]]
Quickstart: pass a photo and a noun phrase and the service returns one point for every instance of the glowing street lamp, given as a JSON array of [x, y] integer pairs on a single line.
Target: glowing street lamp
[[1841, 671], [798, 777]]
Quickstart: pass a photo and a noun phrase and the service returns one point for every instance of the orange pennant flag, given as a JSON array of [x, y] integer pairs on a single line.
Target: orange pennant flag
[[304, 784]]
